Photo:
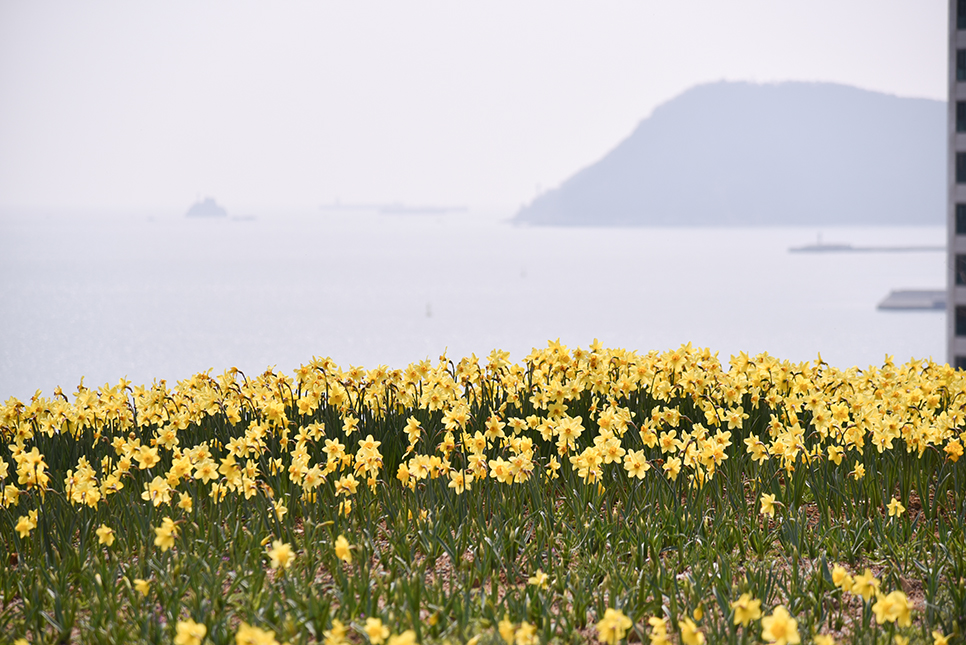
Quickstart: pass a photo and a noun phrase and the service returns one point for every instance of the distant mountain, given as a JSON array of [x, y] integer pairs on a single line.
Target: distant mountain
[[728, 153]]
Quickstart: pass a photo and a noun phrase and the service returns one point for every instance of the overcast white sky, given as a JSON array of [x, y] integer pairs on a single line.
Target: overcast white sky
[[143, 106]]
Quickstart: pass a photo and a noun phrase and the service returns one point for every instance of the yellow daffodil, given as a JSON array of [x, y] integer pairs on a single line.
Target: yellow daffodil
[[147, 457], [657, 624], [539, 579], [613, 626], [280, 509], [659, 635], [841, 578], [673, 468], [337, 635], [346, 485], [376, 631], [349, 425], [690, 634], [768, 505], [105, 535], [460, 481], [165, 534], [157, 491], [189, 633], [249, 635], [865, 585], [526, 634], [896, 509], [954, 449], [26, 524], [343, 550], [835, 454], [281, 555], [408, 637], [746, 609], [780, 628], [507, 630], [142, 586], [893, 608]]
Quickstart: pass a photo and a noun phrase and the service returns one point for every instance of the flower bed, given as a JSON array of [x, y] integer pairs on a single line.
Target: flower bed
[[576, 495]]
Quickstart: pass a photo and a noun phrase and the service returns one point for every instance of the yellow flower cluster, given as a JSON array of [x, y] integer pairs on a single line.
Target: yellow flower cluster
[[147, 437], [893, 607], [375, 631], [518, 634], [778, 628]]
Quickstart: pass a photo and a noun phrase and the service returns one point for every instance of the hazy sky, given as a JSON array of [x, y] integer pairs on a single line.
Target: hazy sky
[[145, 105]]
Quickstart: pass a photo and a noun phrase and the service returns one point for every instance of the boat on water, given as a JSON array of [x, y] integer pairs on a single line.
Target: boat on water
[[207, 207], [848, 248], [402, 209], [822, 248], [841, 247]]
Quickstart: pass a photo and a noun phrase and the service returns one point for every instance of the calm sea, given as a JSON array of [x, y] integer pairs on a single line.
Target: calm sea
[[105, 297]]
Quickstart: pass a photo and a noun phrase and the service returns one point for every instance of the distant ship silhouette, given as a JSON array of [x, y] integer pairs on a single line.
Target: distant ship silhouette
[[206, 208]]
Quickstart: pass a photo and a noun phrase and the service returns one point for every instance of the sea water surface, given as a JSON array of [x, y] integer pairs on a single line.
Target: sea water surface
[[105, 297]]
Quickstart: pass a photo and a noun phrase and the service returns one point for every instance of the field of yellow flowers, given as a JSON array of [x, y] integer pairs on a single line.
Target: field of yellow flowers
[[580, 495]]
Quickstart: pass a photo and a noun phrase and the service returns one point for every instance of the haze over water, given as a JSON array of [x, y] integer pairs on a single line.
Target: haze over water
[[106, 297], [111, 106]]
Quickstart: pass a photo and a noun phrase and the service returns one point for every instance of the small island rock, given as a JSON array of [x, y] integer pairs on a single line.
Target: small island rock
[[206, 208]]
